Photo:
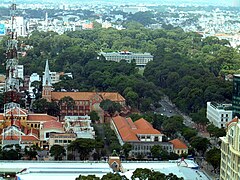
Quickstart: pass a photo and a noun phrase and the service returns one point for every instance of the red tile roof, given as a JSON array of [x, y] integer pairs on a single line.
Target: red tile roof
[[177, 144], [129, 130], [23, 138], [233, 120], [78, 96], [41, 117], [52, 124]]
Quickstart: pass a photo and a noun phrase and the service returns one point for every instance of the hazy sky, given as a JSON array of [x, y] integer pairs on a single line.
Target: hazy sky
[[173, 2]]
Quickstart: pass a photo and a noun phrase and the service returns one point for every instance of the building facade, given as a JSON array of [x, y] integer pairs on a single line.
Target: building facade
[[179, 147], [230, 152], [219, 114], [236, 95], [141, 59], [140, 134]]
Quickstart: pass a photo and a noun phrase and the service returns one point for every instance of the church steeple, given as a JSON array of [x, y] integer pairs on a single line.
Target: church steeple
[[47, 76], [46, 84]]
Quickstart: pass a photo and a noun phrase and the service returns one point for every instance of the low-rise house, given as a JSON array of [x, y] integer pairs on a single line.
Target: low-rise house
[[179, 147], [62, 139]]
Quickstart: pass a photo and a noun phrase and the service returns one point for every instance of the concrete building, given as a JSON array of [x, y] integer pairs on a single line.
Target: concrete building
[[33, 77], [219, 114], [62, 139], [79, 125], [141, 59], [230, 152], [140, 134]]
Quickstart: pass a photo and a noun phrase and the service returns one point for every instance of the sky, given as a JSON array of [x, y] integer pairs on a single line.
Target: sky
[[169, 2]]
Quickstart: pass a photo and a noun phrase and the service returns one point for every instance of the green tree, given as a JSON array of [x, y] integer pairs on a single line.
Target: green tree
[[94, 116], [126, 149], [68, 102], [89, 177], [142, 174], [110, 106], [58, 152], [200, 144], [40, 106], [158, 152], [111, 176], [213, 156], [83, 147]]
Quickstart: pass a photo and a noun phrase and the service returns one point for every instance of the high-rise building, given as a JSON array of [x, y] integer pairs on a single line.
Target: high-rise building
[[230, 152], [219, 114], [236, 95]]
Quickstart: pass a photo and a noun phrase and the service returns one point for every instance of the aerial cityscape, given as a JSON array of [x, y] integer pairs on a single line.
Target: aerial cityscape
[[120, 89]]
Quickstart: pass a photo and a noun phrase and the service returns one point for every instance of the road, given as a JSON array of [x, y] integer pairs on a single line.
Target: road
[[169, 109]]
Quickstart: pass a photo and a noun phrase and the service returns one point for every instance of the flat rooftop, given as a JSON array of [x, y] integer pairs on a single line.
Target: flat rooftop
[[70, 170]]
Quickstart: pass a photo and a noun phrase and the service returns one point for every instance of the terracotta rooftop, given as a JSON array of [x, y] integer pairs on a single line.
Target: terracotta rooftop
[[113, 96], [52, 124], [177, 144], [23, 138], [41, 117], [233, 120], [129, 130]]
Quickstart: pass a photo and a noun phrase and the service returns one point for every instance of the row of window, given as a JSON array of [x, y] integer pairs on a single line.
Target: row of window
[[62, 141], [34, 125]]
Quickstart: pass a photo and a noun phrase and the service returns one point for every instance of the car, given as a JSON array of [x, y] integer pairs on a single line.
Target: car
[[170, 111]]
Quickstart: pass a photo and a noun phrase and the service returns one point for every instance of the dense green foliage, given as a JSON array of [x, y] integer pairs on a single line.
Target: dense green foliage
[[139, 173], [213, 156], [186, 67], [58, 152]]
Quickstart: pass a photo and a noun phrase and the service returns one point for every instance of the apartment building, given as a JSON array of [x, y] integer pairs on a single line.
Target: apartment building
[[230, 152]]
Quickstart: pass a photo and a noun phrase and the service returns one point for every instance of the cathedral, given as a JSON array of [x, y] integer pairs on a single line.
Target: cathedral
[[84, 102]]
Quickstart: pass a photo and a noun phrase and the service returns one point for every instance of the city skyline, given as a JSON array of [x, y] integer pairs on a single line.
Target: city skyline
[[161, 2]]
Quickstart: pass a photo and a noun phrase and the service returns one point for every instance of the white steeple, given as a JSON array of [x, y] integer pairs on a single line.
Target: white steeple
[[47, 76]]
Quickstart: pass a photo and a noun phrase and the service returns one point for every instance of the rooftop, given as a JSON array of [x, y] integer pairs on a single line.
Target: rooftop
[[113, 96], [177, 144], [129, 130]]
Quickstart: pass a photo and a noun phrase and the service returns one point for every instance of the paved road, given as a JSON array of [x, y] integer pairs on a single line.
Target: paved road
[[169, 109]]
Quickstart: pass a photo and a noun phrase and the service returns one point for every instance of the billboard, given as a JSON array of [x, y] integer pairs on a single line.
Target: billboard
[[2, 29]]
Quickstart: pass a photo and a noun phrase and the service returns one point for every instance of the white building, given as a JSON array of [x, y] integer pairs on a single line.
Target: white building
[[55, 76], [141, 59], [219, 114], [33, 77], [20, 71], [80, 125]]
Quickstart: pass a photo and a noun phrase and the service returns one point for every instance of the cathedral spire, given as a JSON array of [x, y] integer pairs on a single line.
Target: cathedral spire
[[47, 76], [47, 85]]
